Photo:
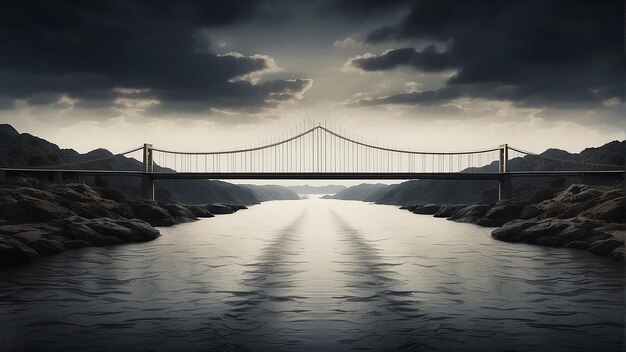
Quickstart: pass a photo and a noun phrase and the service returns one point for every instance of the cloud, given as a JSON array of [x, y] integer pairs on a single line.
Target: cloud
[[255, 76], [359, 9], [131, 54], [413, 97], [565, 54], [428, 60], [346, 43]]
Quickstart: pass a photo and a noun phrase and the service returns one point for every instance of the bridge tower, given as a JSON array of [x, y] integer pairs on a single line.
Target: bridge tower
[[147, 181], [505, 187]]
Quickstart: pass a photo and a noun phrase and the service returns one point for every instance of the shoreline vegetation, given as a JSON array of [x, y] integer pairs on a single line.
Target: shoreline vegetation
[[580, 217]]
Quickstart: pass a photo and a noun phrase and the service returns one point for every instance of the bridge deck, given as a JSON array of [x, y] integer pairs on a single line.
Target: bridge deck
[[320, 175]]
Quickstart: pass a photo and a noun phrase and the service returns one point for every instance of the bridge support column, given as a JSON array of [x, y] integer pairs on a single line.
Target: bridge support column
[[3, 176], [147, 158], [147, 187], [505, 187], [57, 177], [147, 181], [504, 158], [75, 178]]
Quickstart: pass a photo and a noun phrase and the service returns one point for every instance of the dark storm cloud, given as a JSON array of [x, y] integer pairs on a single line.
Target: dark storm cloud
[[423, 98], [428, 60], [360, 8], [87, 49], [539, 53]]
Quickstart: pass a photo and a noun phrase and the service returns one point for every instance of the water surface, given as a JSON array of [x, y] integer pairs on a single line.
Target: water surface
[[315, 275]]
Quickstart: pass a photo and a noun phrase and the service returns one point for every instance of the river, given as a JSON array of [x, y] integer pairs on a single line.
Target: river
[[315, 275]]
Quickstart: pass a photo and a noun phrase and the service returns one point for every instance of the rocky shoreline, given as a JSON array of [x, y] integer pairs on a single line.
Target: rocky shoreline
[[43, 219], [581, 217]]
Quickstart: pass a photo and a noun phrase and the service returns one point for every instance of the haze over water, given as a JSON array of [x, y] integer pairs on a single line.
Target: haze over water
[[314, 275]]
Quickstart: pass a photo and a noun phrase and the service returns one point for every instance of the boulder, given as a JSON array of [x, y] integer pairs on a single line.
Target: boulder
[[446, 211], [550, 232], [234, 207], [606, 247], [611, 210], [409, 207], [32, 210], [179, 213], [13, 251], [577, 245], [139, 231], [596, 202], [152, 213], [80, 231], [218, 208], [470, 214], [200, 211], [428, 209], [502, 212], [46, 246], [618, 253]]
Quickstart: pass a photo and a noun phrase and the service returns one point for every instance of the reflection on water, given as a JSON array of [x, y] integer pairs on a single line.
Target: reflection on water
[[315, 275]]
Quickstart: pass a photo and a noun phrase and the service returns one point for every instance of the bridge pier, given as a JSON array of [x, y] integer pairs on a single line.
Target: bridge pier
[[57, 177], [505, 187], [3, 176], [147, 181], [147, 187]]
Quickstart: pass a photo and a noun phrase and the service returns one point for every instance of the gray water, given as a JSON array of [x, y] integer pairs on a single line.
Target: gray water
[[315, 275]]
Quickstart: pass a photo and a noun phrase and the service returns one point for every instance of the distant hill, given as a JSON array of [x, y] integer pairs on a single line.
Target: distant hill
[[475, 192], [25, 150], [365, 192], [306, 189], [271, 192]]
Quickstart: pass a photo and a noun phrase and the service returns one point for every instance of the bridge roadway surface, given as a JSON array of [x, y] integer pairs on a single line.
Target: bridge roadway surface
[[320, 175]]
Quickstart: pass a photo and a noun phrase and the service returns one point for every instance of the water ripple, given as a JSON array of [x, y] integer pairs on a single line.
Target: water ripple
[[315, 275]]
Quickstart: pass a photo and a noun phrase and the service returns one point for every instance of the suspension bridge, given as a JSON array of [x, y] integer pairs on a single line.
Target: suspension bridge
[[316, 151]]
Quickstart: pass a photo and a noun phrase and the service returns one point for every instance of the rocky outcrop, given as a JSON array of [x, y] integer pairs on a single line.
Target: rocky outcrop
[[39, 220], [180, 213], [551, 232], [218, 208], [446, 211], [599, 202], [152, 213], [472, 213], [200, 211], [428, 209], [25, 241], [575, 232], [580, 217], [502, 212]]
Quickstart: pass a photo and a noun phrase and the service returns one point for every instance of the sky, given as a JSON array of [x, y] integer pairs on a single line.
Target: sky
[[194, 75]]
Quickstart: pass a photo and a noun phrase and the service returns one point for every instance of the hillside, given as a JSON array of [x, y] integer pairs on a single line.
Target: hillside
[[365, 192], [25, 150], [271, 192], [307, 189], [476, 192]]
